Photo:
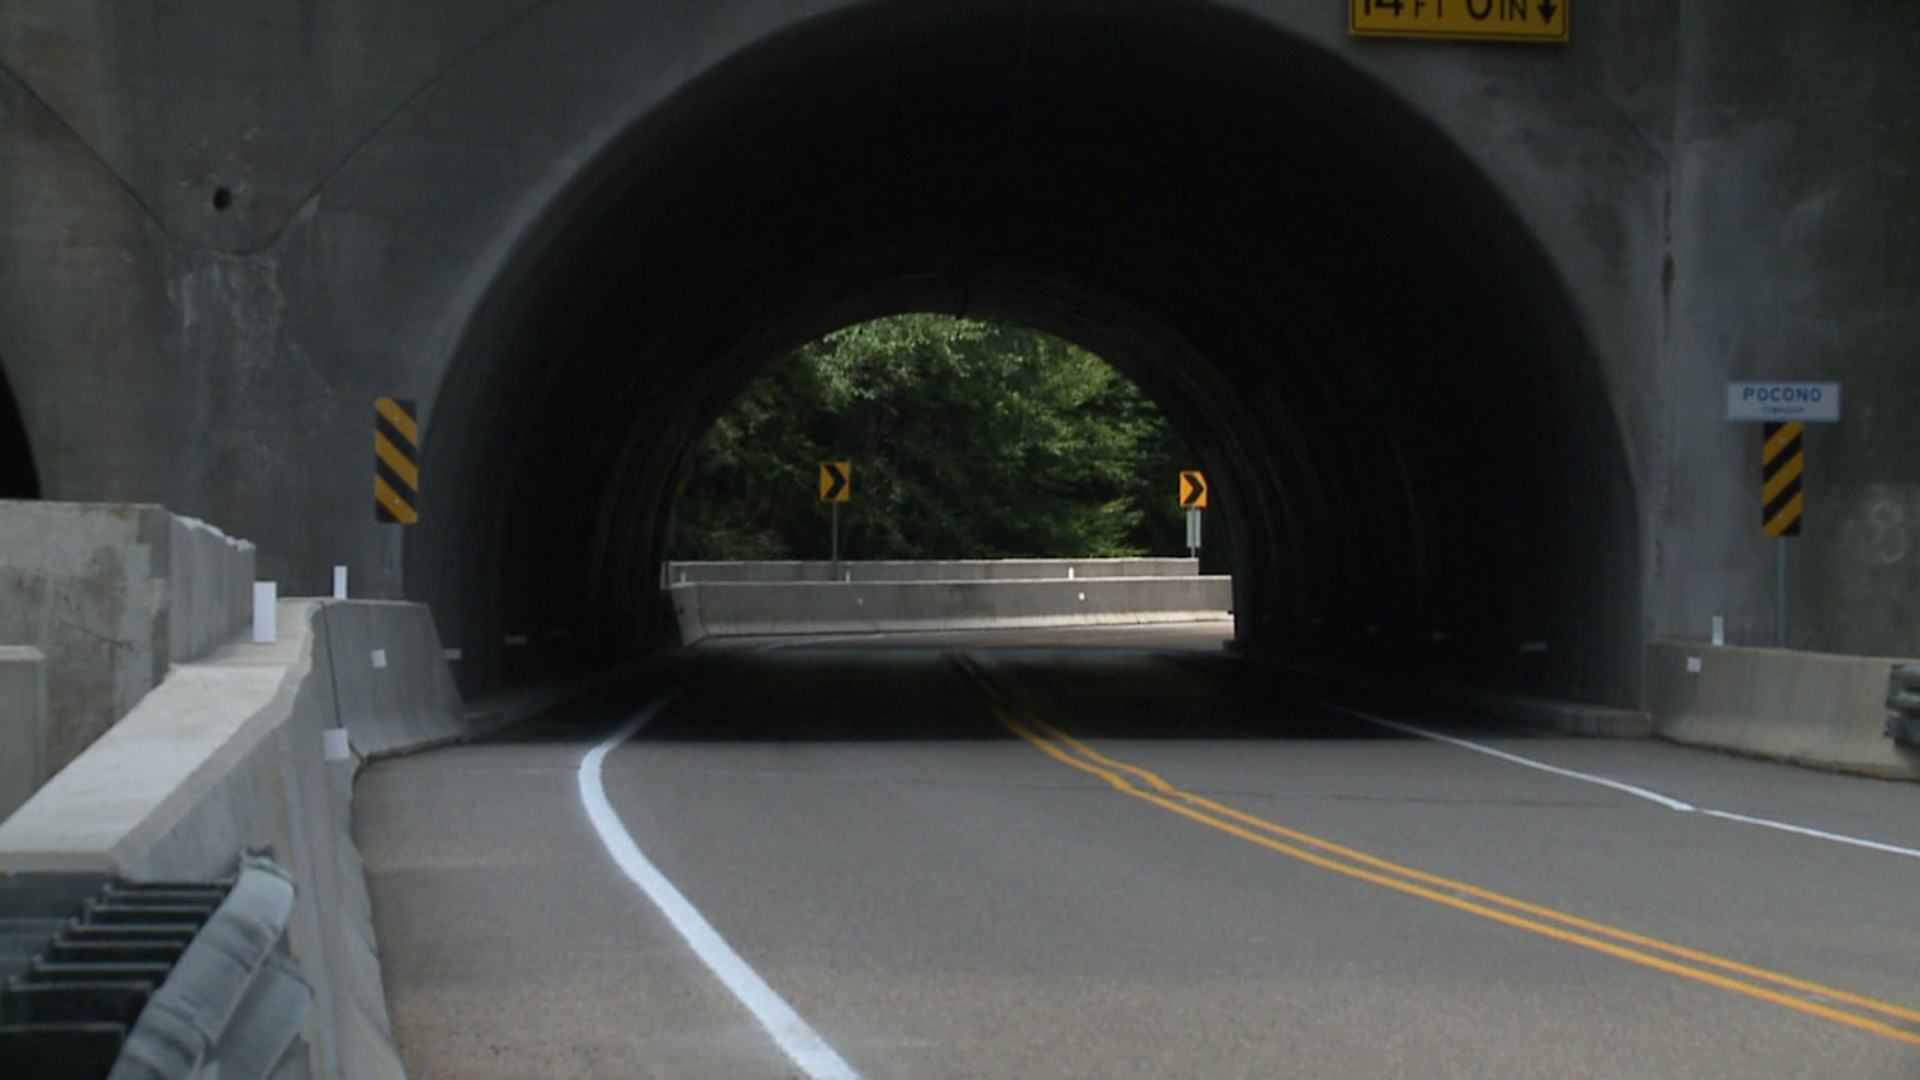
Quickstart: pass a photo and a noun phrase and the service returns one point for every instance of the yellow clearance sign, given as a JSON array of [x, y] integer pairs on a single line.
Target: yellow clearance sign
[[1541, 21]]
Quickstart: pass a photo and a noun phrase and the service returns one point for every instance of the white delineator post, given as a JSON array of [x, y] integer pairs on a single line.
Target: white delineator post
[[266, 597]]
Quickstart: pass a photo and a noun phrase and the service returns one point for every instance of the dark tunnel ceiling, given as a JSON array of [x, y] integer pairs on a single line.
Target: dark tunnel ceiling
[[1367, 350]]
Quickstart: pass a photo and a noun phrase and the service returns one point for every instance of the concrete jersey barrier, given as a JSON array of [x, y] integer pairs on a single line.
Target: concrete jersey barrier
[[742, 609], [700, 573], [1814, 709]]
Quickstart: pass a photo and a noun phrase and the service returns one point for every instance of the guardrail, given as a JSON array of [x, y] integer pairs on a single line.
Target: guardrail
[[255, 748], [1903, 703], [174, 981]]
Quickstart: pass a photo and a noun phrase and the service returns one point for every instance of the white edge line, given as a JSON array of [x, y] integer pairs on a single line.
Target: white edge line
[[1838, 838], [1617, 785], [1637, 792], [796, 1039]]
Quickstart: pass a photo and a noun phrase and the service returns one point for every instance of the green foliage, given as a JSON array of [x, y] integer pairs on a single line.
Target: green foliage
[[968, 439]]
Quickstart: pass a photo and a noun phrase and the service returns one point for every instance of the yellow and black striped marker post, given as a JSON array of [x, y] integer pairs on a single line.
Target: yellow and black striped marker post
[[1782, 461], [396, 457]]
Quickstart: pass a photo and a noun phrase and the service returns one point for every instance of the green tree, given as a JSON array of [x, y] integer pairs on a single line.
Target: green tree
[[969, 439]]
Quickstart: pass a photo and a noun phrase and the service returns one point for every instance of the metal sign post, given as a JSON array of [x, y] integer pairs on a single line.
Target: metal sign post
[[836, 487], [1193, 497]]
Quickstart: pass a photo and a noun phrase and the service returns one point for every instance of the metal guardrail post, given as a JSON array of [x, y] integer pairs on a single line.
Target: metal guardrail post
[[1903, 704]]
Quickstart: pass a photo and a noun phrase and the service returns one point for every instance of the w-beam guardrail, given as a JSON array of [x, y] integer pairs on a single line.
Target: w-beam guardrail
[[1903, 701], [163, 982]]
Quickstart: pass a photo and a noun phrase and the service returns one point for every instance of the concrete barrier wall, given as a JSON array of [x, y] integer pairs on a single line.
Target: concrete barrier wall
[[396, 693], [23, 724], [255, 748], [110, 595], [739, 609], [209, 588], [695, 573], [1806, 708]]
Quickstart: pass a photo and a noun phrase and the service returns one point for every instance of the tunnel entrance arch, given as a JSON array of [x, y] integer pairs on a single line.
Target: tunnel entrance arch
[[18, 478], [1376, 362]]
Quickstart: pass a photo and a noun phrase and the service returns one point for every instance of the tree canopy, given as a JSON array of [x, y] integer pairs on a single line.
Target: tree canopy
[[968, 439]]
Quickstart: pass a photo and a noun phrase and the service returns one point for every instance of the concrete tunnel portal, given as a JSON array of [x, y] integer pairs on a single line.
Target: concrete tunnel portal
[[1376, 362]]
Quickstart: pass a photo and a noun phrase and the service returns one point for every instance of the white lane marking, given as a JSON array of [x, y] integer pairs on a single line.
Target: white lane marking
[[1838, 838], [1631, 789], [802, 1045], [1617, 785]]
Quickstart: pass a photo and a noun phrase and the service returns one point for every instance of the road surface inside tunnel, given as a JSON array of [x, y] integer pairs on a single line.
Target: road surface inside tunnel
[[1155, 860]]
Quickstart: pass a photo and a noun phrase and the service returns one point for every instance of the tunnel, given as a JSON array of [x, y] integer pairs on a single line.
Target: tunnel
[[18, 478], [1409, 437]]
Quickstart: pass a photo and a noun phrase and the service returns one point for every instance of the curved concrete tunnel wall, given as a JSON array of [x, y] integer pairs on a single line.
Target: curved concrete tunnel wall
[[1412, 440]]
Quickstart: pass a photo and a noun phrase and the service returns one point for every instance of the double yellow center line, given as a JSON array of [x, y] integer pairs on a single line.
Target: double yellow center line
[[1826, 1002]]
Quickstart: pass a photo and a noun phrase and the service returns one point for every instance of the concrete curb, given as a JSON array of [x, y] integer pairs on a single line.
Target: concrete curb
[[1579, 718]]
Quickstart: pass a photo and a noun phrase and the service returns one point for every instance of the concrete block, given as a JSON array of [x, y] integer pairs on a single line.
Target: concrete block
[[1813, 709], [23, 724]]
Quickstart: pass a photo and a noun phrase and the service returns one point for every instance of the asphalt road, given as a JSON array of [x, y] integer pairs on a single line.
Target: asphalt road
[[1145, 862]]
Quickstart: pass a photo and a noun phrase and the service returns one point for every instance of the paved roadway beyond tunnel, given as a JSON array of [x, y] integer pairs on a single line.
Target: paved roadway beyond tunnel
[[994, 857]]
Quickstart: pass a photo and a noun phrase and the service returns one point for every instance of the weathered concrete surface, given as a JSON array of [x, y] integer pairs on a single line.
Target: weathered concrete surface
[[111, 595], [750, 609], [1806, 708], [231, 754], [1449, 322], [1795, 254]]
